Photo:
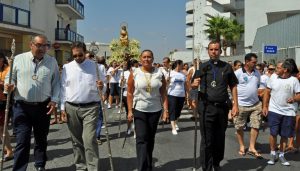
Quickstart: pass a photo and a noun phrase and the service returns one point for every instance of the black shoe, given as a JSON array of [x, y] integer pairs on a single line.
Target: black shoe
[[40, 169]]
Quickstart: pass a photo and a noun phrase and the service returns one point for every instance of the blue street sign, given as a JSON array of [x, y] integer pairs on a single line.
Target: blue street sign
[[270, 49]]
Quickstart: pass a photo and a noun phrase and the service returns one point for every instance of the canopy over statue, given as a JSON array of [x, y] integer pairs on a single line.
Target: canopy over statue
[[124, 49]]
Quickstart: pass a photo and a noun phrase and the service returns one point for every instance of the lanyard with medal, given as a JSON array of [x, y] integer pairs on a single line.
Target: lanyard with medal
[[215, 70], [36, 62]]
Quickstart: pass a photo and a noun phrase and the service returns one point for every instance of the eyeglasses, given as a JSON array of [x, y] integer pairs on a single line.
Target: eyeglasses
[[79, 55], [271, 69], [39, 45]]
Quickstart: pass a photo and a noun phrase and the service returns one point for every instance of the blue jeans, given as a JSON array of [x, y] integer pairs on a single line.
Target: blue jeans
[[100, 122]]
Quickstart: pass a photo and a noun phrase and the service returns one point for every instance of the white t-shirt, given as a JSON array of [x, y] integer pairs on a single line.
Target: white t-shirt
[[177, 84], [116, 77], [247, 87], [263, 81], [164, 71], [281, 90], [147, 101], [126, 76]]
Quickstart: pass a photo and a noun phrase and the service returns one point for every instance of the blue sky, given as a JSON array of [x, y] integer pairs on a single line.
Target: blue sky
[[159, 25]]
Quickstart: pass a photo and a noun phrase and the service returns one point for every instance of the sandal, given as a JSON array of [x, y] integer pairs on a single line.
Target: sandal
[[290, 149], [53, 122], [255, 154], [242, 153]]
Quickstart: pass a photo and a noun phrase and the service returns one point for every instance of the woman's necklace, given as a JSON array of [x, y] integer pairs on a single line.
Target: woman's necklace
[[148, 81]]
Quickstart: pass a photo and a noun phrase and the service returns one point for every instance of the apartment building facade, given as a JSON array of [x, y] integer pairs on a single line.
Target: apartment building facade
[[252, 14], [199, 11], [266, 13], [57, 19]]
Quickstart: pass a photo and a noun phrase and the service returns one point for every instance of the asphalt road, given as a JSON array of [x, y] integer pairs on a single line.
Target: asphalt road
[[170, 153]]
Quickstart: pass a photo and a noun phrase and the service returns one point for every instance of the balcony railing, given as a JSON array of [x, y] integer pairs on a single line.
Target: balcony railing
[[75, 4], [61, 34], [14, 15]]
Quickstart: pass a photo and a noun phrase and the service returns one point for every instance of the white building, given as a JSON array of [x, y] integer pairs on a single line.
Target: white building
[[253, 14], [21, 19], [199, 11], [267, 12], [101, 49]]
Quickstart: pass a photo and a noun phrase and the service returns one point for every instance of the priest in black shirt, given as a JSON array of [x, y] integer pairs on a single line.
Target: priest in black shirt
[[214, 76]]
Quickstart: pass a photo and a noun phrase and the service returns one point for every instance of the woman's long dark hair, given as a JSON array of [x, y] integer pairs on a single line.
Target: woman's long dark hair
[[176, 63]]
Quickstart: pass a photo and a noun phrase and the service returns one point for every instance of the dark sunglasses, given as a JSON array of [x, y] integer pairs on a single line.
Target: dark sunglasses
[[271, 69], [79, 55]]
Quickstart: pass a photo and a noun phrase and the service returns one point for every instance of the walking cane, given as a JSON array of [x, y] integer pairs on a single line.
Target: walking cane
[[127, 134], [169, 73], [121, 104], [105, 121], [195, 115], [13, 48]]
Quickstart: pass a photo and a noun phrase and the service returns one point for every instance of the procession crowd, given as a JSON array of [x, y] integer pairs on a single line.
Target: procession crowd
[[220, 93]]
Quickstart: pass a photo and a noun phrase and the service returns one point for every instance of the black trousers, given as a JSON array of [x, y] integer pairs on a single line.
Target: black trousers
[[124, 99], [175, 106], [145, 127], [26, 117], [213, 124]]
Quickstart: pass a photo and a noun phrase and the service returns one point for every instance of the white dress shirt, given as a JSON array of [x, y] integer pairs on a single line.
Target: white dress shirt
[[78, 83]]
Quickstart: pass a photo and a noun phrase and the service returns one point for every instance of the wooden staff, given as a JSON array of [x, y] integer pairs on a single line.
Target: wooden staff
[[11, 61], [121, 103], [168, 83], [195, 115], [126, 135], [105, 121]]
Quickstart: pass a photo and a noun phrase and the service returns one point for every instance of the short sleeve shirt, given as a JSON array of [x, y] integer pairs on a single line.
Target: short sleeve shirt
[[281, 90], [116, 77], [247, 87], [219, 72], [177, 84], [263, 81]]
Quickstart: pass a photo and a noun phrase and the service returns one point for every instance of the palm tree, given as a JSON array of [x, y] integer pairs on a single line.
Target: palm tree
[[236, 31], [230, 29], [216, 26]]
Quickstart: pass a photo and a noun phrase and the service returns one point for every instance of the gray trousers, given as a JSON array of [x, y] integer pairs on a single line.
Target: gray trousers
[[82, 122]]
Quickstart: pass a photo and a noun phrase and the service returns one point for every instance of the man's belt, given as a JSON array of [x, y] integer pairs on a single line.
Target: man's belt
[[83, 104], [33, 103], [218, 104]]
